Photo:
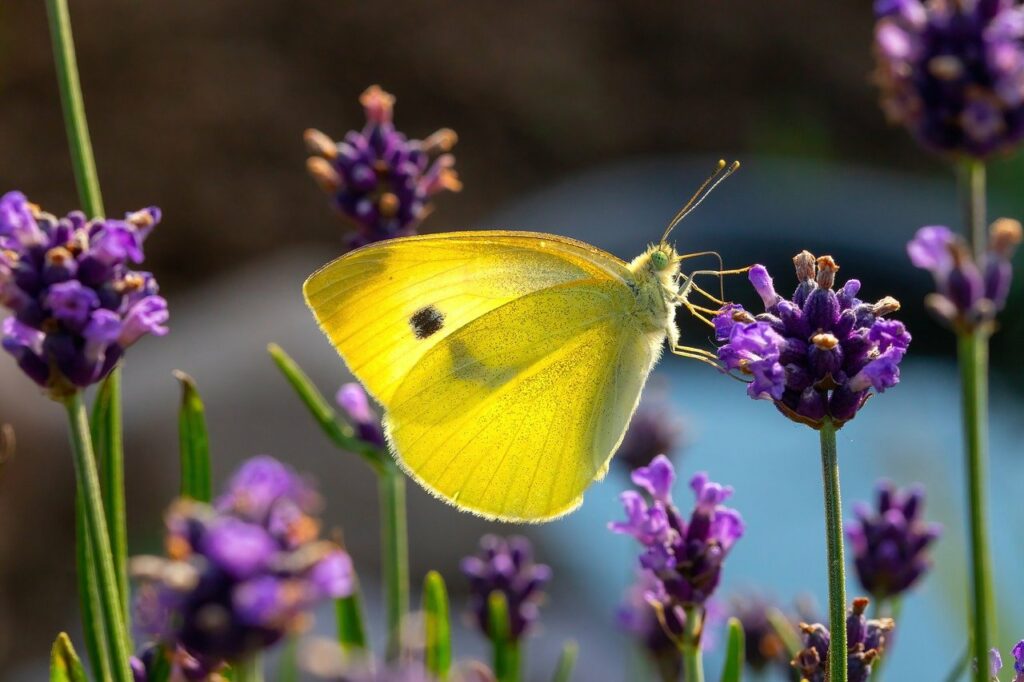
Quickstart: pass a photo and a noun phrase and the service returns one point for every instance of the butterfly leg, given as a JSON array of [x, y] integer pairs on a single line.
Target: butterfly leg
[[698, 354]]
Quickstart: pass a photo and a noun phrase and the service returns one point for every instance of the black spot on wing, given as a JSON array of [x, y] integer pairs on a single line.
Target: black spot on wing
[[426, 322]]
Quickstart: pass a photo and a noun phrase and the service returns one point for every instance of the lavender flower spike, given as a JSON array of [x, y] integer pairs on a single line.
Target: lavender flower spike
[[968, 294], [818, 355], [865, 644], [506, 565], [353, 400], [377, 177], [76, 304], [685, 555], [952, 73], [239, 574], [890, 542]]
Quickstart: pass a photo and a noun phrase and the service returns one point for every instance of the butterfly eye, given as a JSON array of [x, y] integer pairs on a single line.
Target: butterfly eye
[[659, 259]]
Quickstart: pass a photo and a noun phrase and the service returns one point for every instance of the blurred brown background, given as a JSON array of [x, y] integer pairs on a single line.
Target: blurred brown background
[[199, 106]]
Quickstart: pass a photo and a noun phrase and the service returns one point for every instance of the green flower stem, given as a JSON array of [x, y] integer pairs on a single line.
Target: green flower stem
[[108, 444], [394, 554], [99, 540], [82, 160], [693, 664], [972, 191], [972, 355], [891, 608], [249, 670], [973, 358], [836, 562]]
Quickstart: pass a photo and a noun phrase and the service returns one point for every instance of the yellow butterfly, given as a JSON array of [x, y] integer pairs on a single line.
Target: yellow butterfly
[[508, 363]]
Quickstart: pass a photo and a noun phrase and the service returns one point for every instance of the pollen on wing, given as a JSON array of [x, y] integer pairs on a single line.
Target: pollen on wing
[[426, 322]]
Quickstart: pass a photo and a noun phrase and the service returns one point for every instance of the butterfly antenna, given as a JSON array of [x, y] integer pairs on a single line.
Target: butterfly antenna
[[721, 172]]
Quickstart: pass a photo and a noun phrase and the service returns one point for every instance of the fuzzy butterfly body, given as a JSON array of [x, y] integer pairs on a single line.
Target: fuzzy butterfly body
[[508, 363]]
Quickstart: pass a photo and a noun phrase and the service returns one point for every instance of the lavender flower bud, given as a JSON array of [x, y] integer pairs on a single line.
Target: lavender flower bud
[[506, 565], [890, 542], [378, 178], [968, 294], [865, 644]]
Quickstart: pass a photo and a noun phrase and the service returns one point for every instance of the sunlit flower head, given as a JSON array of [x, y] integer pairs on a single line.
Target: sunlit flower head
[[818, 355], [75, 302]]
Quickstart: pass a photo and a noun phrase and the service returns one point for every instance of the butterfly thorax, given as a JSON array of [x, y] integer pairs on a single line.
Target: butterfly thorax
[[656, 286]]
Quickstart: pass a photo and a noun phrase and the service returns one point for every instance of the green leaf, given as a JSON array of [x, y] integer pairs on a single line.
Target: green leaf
[[734, 653], [108, 443], [64, 663], [340, 433], [566, 662], [786, 632], [160, 668], [505, 648], [89, 596], [194, 442], [438, 626], [351, 625], [288, 666]]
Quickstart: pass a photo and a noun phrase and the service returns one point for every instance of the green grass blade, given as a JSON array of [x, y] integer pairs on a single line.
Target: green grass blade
[[734, 653], [64, 663], [566, 662], [786, 632], [108, 442], [338, 431], [437, 625], [351, 624], [505, 649], [89, 596], [194, 442]]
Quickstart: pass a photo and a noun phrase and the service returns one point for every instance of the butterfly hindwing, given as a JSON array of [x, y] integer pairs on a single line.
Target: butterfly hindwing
[[514, 414]]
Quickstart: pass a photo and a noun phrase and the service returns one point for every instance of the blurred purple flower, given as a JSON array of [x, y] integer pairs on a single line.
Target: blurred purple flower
[[889, 543], [506, 565], [865, 644], [75, 303], [377, 177], [968, 294], [654, 430], [953, 72], [685, 556], [763, 646], [241, 573], [818, 355], [353, 400], [182, 666]]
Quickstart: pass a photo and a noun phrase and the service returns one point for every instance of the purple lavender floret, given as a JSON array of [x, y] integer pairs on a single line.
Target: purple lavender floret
[[241, 573], [506, 565], [866, 639], [75, 304], [890, 542], [952, 73], [685, 555], [968, 294], [818, 355], [353, 400], [379, 178]]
